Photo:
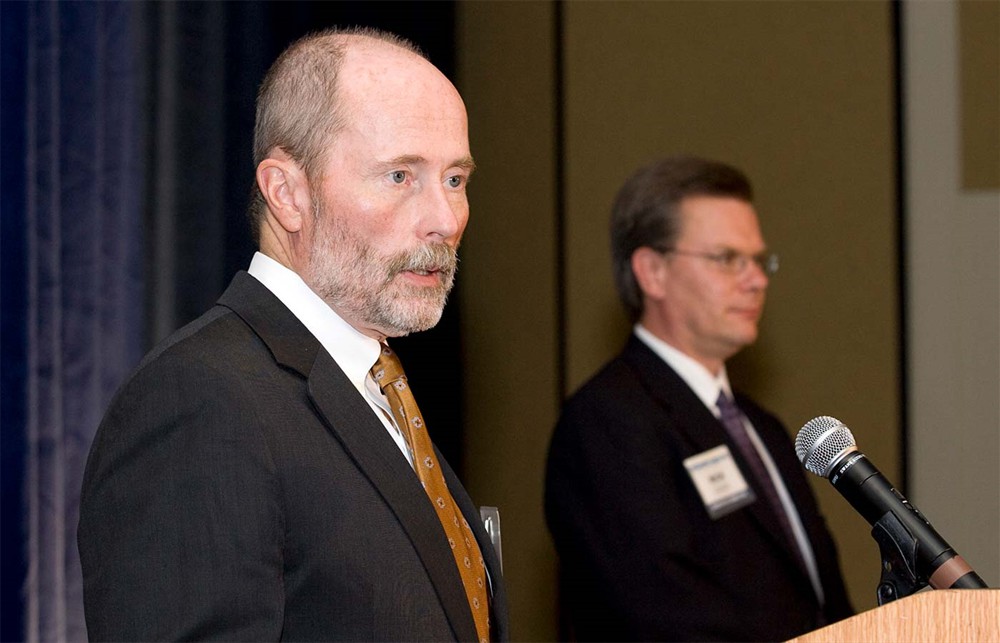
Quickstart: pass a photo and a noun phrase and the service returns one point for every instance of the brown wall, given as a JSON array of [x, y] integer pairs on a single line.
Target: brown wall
[[979, 51], [799, 95], [507, 284]]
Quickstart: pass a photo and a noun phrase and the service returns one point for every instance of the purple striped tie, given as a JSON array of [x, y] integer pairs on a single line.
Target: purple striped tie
[[732, 419]]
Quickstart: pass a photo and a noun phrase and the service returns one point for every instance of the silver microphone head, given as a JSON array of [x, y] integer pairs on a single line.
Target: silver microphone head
[[821, 442]]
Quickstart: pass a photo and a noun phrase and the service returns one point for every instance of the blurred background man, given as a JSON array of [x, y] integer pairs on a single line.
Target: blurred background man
[[678, 508]]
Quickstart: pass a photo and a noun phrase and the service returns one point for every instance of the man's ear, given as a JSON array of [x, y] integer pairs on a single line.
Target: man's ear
[[650, 271], [285, 188]]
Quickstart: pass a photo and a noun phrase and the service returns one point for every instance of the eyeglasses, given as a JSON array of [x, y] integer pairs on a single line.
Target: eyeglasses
[[731, 261]]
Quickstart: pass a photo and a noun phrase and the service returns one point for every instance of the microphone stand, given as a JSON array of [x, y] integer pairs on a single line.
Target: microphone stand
[[900, 547], [899, 560]]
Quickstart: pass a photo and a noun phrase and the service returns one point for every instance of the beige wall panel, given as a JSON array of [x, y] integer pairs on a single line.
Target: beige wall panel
[[953, 283], [798, 94], [507, 282]]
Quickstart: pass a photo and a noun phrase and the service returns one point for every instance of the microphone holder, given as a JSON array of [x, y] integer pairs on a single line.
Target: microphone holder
[[898, 548]]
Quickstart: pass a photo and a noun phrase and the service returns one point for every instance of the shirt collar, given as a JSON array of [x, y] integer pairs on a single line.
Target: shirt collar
[[698, 378], [353, 351]]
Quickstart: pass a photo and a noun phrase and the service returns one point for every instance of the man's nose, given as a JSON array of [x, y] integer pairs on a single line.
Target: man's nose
[[444, 214], [755, 276]]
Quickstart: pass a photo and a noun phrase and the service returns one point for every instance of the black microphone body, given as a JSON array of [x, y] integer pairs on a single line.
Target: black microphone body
[[826, 447], [871, 494]]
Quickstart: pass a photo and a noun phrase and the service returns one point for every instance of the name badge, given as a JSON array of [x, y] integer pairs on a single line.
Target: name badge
[[722, 487]]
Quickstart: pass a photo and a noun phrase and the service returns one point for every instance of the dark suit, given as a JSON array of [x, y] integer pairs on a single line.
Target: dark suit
[[240, 488], [640, 557]]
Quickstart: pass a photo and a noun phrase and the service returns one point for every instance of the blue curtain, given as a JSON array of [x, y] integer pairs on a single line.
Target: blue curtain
[[73, 311]]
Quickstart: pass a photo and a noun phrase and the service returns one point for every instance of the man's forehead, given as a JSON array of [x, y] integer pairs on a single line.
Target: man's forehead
[[717, 217], [388, 74], [410, 93], [374, 61]]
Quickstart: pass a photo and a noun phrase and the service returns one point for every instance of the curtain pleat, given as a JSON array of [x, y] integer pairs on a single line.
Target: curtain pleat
[[85, 296]]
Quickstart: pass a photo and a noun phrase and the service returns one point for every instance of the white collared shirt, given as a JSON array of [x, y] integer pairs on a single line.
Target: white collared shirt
[[354, 352], [707, 387]]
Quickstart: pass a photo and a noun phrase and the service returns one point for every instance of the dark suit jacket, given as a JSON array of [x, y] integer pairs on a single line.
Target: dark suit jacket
[[640, 557], [240, 488]]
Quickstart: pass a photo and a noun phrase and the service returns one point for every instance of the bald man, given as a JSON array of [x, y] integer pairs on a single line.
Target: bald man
[[252, 480]]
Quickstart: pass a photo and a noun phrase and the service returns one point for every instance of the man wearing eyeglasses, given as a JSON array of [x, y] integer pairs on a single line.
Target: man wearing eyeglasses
[[678, 508]]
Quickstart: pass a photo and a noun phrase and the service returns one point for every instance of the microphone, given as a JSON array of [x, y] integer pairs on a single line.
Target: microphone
[[827, 448]]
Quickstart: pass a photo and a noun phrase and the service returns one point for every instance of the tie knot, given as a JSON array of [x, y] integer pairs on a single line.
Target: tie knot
[[387, 368], [727, 408]]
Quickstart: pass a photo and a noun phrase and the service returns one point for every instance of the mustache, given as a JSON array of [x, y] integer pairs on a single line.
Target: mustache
[[432, 257]]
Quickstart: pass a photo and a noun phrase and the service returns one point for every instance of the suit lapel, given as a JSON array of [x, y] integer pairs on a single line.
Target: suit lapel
[[687, 415], [352, 422]]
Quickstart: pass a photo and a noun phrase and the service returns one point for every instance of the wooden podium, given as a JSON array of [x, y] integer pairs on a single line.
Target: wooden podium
[[930, 616]]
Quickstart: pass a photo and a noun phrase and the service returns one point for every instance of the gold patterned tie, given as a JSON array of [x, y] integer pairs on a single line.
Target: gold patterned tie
[[388, 374]]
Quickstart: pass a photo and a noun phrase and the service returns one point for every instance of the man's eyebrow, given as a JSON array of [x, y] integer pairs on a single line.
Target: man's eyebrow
[[466, 163], [406, 159]]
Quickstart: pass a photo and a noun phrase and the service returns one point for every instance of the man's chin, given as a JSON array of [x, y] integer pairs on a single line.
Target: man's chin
[[744, 341], [400, 323]]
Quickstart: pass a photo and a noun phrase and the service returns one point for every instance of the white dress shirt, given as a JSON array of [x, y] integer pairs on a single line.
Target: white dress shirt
[[353, 351]]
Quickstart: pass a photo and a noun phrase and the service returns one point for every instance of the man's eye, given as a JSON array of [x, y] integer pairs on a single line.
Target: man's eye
[[398, 176], [455, 181], [730, 259]]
